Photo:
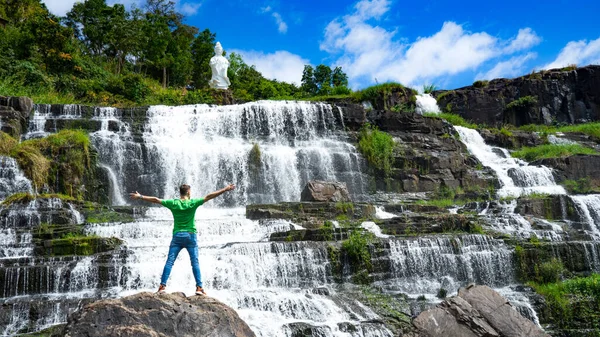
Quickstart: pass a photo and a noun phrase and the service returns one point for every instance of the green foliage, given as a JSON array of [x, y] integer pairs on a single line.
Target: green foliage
[[357, 248], [569, 67], [453, 119], [522, 103], [442, 293], [580, 186], [481, 83], [429, 88], [33, 163], [572, 304], [590, 129], [552, 151], [377, 147], [7, 143], [550, 271], [380, 92], [323, 81]]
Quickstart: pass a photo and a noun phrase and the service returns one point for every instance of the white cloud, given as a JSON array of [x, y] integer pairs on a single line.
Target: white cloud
[[190, 9], [526, 39], [282, 27], [280, 65], [512, 67], [367, 51], [577, 52]]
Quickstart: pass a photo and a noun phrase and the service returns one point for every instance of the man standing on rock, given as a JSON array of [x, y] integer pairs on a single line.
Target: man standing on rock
[[184, 229]]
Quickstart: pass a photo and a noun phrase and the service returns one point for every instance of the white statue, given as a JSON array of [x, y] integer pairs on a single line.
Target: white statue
[[219, 65]]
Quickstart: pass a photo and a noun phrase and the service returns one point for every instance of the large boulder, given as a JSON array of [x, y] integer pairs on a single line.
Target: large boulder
[[14, 114], [316, 190], [147, 314], [477, 311]]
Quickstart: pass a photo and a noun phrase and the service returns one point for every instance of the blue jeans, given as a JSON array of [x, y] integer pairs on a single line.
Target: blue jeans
[[183, 240]]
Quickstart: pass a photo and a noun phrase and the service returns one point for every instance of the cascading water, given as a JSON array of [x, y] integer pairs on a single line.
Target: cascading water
[[516, 177], [426, 104], [12, 179], [588, 208]]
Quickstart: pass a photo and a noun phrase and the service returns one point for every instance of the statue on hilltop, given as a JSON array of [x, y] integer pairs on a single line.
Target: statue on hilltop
[[219, 65]]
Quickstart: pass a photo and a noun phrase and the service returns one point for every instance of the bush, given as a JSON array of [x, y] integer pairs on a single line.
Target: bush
[[377, 147], [35, 166], [27, 74], [7, 143], [552, 151], [357, 248], [341, 90], [481, 84], [548, 272], [429, 88], [522, 102]]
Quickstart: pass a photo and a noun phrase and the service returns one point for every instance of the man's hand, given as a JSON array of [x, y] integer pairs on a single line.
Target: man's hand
[[135, 196], [230, 187]]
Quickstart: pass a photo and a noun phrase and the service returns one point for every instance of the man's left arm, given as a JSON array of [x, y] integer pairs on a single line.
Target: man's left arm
[[138, 196]]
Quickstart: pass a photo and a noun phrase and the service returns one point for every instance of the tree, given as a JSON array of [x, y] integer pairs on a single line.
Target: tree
[[202, 51], [323, 79], [309, 86], [339, 78]]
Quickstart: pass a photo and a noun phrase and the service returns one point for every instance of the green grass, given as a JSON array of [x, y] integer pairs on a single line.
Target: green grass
[[581, 186], [453, 119], [590, 129], [377, 147], [574, 303], [21, 198], [552, 151]]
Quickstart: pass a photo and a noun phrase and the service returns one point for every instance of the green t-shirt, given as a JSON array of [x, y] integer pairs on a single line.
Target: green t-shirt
[[183, 213]]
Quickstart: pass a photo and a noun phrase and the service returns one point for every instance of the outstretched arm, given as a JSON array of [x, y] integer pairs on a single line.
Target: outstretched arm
[[138, 196], [215, 194]]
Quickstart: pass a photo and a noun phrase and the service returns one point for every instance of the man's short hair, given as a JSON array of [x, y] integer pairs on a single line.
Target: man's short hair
[[184, 189]]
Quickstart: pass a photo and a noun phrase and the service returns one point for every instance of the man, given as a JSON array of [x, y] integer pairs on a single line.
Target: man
[[184, 229]]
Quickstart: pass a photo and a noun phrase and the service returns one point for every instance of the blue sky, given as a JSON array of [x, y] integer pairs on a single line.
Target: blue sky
[[446, 43]]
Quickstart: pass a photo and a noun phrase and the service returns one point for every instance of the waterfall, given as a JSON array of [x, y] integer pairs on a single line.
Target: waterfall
[[268, 149], [12, 179], [424, 265], [426, 104], [588, 208], [516, 177]]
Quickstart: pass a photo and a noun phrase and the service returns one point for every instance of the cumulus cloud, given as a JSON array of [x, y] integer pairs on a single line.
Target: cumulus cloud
[[282, 27], [577, 52], [368, 52], [512, 67], [280, 65], [526, 39]]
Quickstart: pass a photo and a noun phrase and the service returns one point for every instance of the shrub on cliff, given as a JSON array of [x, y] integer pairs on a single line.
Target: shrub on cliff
[[377, 147]]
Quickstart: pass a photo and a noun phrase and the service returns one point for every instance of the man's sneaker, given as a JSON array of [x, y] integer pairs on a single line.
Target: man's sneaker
[[161, 289], [200, 291]]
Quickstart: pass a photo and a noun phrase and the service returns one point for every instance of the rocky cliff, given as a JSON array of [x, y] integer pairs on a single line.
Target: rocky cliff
[[546, 97]]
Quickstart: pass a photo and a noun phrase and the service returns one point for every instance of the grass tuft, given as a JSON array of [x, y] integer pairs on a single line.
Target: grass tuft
[[552, 151]]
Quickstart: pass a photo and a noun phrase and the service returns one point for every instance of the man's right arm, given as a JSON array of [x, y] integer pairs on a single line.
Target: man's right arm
[[138, 196]]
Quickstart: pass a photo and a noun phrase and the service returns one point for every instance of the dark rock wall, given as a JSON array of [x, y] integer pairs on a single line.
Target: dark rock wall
[[562, 96]]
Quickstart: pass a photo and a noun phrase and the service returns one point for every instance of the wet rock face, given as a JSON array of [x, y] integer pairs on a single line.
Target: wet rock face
[[316, 190], [562, 96], [14, 114], [476, 311], [147, 314], [575, 168]]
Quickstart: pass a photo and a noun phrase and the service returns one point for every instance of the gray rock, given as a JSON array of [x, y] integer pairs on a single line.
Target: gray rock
[[477, 311], [147, 314], [316, 190]]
